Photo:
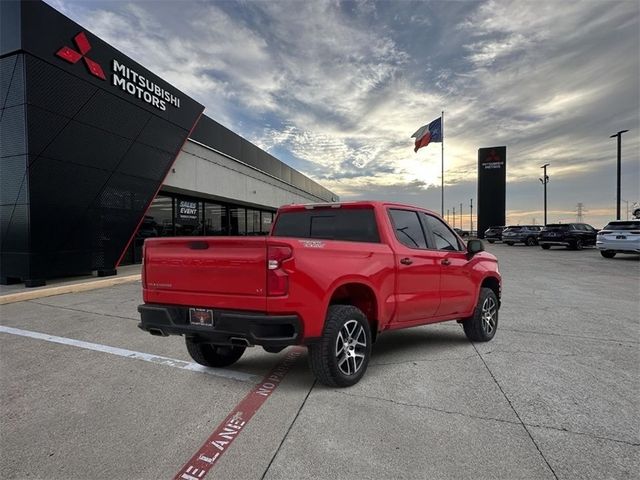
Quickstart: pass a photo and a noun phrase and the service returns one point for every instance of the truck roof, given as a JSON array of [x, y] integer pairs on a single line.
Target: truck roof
[[358, 204]]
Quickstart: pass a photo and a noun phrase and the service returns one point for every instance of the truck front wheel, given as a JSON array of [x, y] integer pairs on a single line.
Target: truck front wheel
[[341, 356], [481, 327], [213, 355]]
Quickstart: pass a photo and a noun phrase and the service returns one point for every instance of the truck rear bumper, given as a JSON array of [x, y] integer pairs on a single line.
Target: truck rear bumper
[[230, 327]]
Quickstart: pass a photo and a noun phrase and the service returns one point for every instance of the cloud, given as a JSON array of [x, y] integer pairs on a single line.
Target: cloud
[[336, 88]]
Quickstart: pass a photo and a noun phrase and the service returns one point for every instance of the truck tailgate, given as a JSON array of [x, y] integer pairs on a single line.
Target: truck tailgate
[[222, 272]]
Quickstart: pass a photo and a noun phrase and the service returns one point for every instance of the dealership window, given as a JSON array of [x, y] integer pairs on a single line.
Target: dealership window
[[238, 221], [173, 215], [267, 221], [158, 222], [253, 222], [216, 220]]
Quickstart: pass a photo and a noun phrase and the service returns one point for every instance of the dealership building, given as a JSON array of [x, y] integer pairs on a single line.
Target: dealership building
[[97, 153]]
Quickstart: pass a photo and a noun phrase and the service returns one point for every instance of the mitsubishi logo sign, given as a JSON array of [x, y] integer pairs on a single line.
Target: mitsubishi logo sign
[[72, 56], [124, 77]]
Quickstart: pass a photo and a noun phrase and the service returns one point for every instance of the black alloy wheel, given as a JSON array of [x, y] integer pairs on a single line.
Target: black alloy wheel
[[341, 356], [482, 326], [531, 241]]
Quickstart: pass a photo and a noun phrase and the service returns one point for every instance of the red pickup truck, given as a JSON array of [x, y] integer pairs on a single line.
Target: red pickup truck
[[329, 276]]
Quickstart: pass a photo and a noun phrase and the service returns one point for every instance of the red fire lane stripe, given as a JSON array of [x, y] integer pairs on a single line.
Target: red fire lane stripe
[[224, 435]]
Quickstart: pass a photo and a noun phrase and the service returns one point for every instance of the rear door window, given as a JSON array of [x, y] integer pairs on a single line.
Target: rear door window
[[348, 224], [407, 228]]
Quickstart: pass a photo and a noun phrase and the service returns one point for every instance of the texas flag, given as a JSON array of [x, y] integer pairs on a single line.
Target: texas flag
[[428, 133]]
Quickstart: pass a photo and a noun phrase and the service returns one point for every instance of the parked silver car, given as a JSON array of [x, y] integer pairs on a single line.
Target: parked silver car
[[619, 236]]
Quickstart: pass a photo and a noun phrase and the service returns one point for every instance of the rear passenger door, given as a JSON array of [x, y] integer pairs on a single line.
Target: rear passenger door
[[457, 289], [417, 268]]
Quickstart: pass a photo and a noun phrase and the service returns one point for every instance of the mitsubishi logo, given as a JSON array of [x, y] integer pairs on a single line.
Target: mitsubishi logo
[[493, 157], [72, 56]]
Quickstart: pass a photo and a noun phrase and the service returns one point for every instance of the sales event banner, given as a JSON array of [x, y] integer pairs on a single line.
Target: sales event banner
[[187, 212], [492, 179]]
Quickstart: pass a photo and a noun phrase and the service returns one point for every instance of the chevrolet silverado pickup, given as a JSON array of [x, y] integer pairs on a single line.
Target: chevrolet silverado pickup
[[331, 277]]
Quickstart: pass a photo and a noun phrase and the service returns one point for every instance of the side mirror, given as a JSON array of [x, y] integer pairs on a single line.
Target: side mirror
[[474, 246]]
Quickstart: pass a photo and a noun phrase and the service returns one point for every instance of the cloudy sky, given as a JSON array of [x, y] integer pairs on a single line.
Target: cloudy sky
[[335, 89]]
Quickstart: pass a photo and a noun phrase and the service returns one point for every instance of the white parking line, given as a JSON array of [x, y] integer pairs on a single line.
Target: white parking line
[[121, 352]]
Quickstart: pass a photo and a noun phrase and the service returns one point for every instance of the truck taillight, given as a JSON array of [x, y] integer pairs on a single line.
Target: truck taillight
[[277, 278]]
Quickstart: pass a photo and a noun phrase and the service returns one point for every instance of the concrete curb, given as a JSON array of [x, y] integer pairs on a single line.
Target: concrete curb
[[71, 288]]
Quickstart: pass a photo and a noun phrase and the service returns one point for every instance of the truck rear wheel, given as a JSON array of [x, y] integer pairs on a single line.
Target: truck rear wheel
[[341, 357], [213, 355], [482, 326]]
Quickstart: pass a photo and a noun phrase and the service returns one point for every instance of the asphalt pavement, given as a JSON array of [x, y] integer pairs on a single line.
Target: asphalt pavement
[[85, 394]]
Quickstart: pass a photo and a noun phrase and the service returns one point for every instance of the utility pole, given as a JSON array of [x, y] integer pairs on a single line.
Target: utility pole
[[461, 216], [448, 216], [619, 135], [627, 202], [471, 215], [454, 217], [544, 180], [580, 211]]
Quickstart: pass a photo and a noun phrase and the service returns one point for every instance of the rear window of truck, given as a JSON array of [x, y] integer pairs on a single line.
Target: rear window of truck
[[352, 225]]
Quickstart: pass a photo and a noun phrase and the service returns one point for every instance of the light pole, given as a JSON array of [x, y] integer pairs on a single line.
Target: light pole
[[448, 216], [544, 180], [471, 215], [619, 135], [454, 217]]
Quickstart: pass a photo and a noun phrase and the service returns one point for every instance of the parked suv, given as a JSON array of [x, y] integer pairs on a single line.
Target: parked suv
[[619, 236], [527, 234], [493, 234], [570, 235]]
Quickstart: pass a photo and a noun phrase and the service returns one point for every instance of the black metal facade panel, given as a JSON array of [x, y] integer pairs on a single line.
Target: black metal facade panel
[[14, 192], [92, 171], [492, 178], [81, 158], [211, 133], [11, 81]]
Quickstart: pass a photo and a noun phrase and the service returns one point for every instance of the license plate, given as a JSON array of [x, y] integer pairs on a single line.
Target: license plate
[[201, 316], [621, 237]]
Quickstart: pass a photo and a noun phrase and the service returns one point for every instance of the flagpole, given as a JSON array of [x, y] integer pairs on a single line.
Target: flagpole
[[442, 168]]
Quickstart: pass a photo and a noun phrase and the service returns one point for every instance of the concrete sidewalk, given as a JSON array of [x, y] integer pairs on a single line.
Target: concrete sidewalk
[[60, 286]]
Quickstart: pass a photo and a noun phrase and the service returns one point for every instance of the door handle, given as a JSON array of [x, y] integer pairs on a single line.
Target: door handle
[[446, 261], [406, 261]]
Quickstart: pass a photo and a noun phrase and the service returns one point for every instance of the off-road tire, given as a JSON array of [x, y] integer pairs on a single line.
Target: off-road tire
[[324, 355], [530, 242], [476, 327], [607, 253], [213, 355], [545, 246]]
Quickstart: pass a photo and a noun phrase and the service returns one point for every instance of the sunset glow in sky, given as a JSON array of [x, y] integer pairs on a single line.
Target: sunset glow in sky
[[335, 89]]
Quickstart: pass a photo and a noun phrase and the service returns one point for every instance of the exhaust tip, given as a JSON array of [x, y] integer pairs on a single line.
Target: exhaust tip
[[240, 341], [157, 332]]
